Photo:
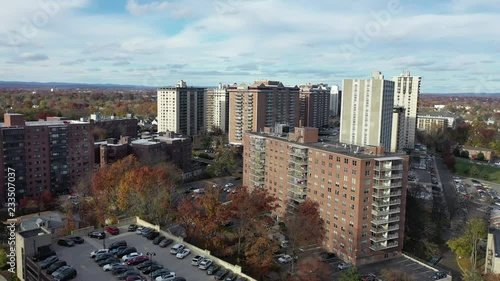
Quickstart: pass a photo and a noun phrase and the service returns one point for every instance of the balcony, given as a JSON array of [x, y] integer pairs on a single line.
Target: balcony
[[297, 168], [382, 194], [296, 197], [298, 153], [380, 203], [385, 229], [298, 176], [382, 186], [384, 220], [299, 184], [383, 246], [395, 193], [384, 238], [388, 176], [394, 211]]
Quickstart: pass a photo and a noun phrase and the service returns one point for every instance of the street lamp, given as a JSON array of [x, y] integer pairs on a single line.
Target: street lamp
[[150, 256]]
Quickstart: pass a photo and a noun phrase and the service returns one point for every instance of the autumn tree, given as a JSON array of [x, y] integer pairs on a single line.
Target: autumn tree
[[492, 277], [259, 255], [395, 275], [99, 133], [250, 209], [188, 212], [223, 163], [312, 269], [304, 227], [351, 274]]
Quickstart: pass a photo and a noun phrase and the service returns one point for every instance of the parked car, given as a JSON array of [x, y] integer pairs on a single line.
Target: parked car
[[139, 230], [204, 264], [434, 260], [239, 278], [137, 260], [128, 273], [146, 264], [196, 260], [108, 261], [285, 259], [165, 242], [97, 252], [131, 255], [152, 268], [48, 262], [161, 272], [76, 239], [127, 251], [136, 278], [120, 269], [55, 266], [183, 254], [110, 266], [113, 230], [229, 184], [97, 234], [344, 265], [145, 231], [230, 277], [117, 250], [43, 255], [439, 275], [103, 257], [65, 242], [132, 227], [152, 235], [158, 239], [117, 244], [64, 273], [220, 274], [213, 269], [177, 248], [166, 277]]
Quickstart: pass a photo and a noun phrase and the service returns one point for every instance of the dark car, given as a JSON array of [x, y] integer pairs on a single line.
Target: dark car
[[326, 256], [97, 234], [152, 268], [65, 242], [120, 269], [165, 242], [434, 260], [439, 275], [213, 269], [117, 244], [230, 277], [77, 239], [64, 273], [160, 272], [55, 266], [132, 227], [145, 231], [103, 257], [152, 235], [113, 230], [136, 278], [127, 251], [108, 261], [43, 255], [137, 260], [158, 239], [146, 264], [220, 274], [239, 278], [48, 262], [117, 250], [128, 273]]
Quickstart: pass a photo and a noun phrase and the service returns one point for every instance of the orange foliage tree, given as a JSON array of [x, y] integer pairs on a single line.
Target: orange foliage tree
[[312, 269]]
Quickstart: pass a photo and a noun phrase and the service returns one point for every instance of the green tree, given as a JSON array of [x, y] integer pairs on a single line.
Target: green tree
[[467, 244], [480, 156], [474, 171], [350, 274], [464, 154], [456, 152], [224, 162]]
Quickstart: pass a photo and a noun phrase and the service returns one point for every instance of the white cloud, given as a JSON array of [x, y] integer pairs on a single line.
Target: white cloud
[[137, 9]]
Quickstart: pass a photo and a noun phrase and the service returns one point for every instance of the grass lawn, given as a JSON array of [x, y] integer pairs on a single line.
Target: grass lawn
[[462, 165]]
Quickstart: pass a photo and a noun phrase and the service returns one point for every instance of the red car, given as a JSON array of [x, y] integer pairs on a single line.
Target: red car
[[113, 230], [137, 260]]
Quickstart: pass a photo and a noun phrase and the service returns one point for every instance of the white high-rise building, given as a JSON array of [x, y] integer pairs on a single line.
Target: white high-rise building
[[366, 111], [217, 110], [181, 109], [335, 99], [406, 93]]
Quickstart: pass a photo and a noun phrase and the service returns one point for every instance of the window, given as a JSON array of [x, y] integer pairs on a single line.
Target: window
[[354, 162], [346, 161]]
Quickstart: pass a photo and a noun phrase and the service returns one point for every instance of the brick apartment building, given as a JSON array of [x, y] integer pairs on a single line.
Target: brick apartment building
[[263, 104], [116, 127], [314, 105], [48, 155], [361, 191]]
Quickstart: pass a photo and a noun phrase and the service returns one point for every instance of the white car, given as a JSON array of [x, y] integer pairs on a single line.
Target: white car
[[204, 264], [183, 254], [110, 266], [177, 248], [139, 230], [344, 265], [285, 259], [98, 252], [230, 184], [197, 260], [166, 277], [132, 255]]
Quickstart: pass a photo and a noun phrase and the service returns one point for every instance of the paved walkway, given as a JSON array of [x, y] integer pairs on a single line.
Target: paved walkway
[[2, 278]]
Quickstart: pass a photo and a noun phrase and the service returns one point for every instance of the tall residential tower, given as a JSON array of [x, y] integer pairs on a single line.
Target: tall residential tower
[[314, 105], [217, 110], [335, 100]]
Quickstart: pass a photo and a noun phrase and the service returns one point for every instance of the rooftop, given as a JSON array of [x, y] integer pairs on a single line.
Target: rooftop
[[33, 232], [48, 123], [437, 114], [496, 241], [476, 148]]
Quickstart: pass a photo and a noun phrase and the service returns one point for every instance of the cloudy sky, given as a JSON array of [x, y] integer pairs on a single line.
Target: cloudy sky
[[453, 44]]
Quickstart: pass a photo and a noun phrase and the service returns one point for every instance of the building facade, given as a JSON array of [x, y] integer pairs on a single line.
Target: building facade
[[181, 109], [314, 105], [30, 243], [115, 127], [429, 121], [361, 191], [217, 108], [263, 104], [46, 155], [367, 109], [398, 132], [335, 100], [406, 94]]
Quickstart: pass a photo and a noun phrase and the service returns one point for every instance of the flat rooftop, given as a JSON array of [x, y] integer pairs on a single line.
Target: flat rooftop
[[335, 147], [33, 232]]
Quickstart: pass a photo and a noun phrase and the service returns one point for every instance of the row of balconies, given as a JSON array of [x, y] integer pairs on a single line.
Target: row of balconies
[[385, 229], [386, 194], [382, 220], [383, 212], [386, 203], [388, 175], [382, 238], [388, 167], [383, 246]]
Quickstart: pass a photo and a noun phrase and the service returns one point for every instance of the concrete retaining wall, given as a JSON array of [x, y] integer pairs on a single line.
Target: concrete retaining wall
[[194, 250], [82, 231]]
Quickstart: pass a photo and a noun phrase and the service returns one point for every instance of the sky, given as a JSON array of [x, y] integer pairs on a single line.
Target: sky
[[454, 45]]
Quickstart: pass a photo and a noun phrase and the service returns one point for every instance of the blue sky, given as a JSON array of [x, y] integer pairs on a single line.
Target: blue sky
[[454, 44]]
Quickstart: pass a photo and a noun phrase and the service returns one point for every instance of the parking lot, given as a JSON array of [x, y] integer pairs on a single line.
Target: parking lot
[[78, 257]]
